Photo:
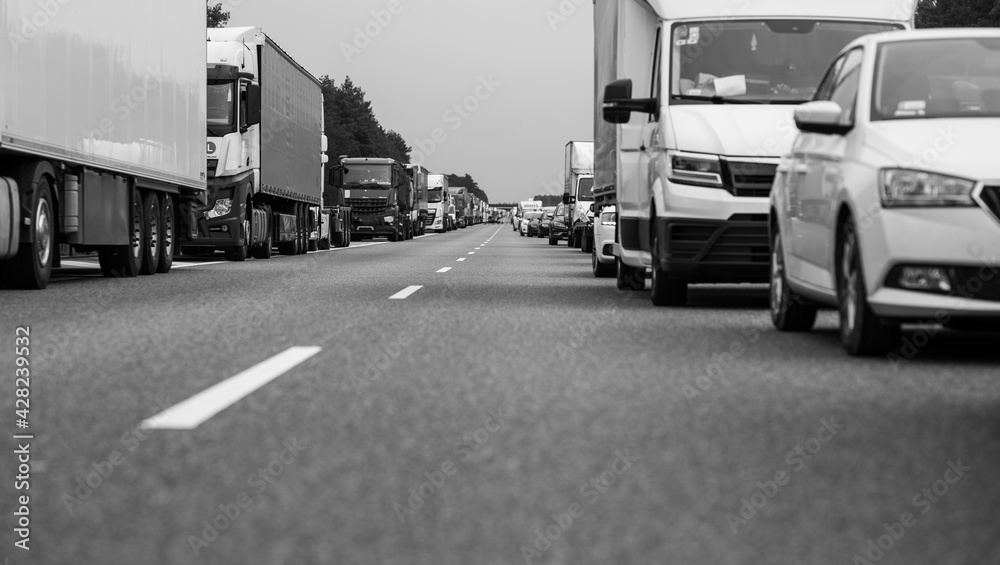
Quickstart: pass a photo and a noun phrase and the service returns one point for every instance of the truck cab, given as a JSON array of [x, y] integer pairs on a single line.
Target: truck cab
[[380, 196], [438, 203], [419, 217], [695, 106]]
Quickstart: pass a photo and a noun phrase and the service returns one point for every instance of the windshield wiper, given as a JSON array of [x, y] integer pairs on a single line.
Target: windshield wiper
[[717, 99]]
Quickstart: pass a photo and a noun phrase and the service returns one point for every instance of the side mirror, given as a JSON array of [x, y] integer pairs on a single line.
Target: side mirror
[[619, 105], [253, 105], [337, 176], [824, 117], [567, 199]]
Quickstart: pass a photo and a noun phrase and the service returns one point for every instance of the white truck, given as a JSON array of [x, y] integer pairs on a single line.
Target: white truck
[[694, 104], [439, 209], [266, 150], [100, 144], [418, 176], [578, 185]]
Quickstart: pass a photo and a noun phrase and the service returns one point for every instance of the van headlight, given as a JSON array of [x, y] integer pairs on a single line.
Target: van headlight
[[906, 188], [695, 169], [222, 208]]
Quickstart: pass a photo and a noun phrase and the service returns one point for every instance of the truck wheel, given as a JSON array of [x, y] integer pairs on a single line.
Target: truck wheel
[[32, 267], [587, 243], [167, 243], [788, 312], [862, 332], [150, 233], [667, 291], [130, 256], [241, 252], [629, 278], [263, 251]]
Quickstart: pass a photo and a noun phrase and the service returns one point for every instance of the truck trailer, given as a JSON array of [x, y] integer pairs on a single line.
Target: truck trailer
[[418, 178], [101, 135], [265, 149], [380, 195], [694, 108], [578, 184]]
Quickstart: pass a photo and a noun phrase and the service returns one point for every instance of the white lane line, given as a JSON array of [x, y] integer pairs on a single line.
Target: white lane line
[[472, 253], [194, 411], [478, 248], [186, 265], [444, 270], [79, 264], [405, 293], [462, 259]]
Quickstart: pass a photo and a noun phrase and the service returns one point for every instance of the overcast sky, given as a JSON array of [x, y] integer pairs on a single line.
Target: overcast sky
[[531, 67]]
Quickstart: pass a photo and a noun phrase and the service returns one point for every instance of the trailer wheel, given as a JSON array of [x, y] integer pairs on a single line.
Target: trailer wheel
[[166, 259], [130, 256], [263, 251], [303, 231], [151, 242], [32, 267]]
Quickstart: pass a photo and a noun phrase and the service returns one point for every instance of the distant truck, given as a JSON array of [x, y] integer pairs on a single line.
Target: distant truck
[[101, 136], [463, 201], [265, 149], [418, 177], [438, 203], [578, 188], [690, 161], [380, 195]]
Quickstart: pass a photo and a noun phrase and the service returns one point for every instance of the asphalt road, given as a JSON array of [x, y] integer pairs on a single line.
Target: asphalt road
[[513, 409]]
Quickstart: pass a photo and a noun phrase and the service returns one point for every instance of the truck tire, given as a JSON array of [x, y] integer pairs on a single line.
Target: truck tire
[[32, 267], [587, 243], [263, 251], [151, 241], [240, 253], [569, 239], [167, 234], [130, 256], [629, 278], [303, 230]]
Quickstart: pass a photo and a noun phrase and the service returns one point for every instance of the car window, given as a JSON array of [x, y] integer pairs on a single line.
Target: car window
[[845, 92], [825, 89]]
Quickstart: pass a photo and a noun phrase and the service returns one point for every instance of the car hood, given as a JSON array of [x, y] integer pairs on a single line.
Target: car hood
[[733, 130], [964, 147]]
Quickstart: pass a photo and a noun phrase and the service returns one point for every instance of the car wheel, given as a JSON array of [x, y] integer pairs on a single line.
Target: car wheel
[[601, 270], [553, 240], [788, 311], [862, 333]]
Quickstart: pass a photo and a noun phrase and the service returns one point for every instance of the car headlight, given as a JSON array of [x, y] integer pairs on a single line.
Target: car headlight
[[697, 170], [905, 187], [222, 208], [388, 219]]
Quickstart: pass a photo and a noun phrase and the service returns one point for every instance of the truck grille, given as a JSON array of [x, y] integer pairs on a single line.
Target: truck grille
[[431, 214], [733, 243], [977, 284], [748, 180], [990, 198], [367, 205]]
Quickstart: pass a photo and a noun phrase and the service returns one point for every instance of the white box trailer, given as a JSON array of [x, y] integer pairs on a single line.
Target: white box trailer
[[578, 185], [693, 110], [102, 138]]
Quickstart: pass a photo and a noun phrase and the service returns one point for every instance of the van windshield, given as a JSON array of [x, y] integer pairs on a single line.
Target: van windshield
[[756, 62]]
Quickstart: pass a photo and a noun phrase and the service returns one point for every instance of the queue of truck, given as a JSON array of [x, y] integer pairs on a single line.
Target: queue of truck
[[186, 155]]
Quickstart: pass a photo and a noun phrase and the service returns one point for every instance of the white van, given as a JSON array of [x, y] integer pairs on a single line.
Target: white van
[[694, 110]]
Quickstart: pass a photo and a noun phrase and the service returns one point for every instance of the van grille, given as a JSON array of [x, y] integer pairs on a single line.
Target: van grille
[[748, 180], [726, 243]]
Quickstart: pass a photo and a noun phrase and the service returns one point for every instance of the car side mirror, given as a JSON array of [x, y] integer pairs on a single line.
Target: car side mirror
[[823, 117], [619, 105], [253, 104]]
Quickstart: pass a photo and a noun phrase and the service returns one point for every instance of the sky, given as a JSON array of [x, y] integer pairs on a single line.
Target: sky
[[492, 89]]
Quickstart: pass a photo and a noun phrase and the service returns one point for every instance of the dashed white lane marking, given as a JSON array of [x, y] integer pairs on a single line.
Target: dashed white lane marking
[[478, 248], [444, 270], [462, 259], [472, 253], [192, 412], [405, 293]]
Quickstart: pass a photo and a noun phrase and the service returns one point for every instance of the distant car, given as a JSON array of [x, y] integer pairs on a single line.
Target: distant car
[[557, 227], [602, 261], [888, 207], [526, 227], [543, 225]]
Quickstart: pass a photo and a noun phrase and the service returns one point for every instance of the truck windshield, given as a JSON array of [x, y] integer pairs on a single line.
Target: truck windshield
[[221, 107], [368, 174], [585, 189], [940, 78], [435, 195], [756, 62]]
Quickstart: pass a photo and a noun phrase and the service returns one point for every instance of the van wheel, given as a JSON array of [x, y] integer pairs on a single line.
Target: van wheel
[[667, 291], [788, 312], [629, 278], [862, 333], [151, 242], [32, 267], [167, 235]]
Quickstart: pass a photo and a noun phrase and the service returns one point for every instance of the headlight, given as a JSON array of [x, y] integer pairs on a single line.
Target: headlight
[[904, 187], [222, 207], [610, 222], [388, 219], [697, 170]]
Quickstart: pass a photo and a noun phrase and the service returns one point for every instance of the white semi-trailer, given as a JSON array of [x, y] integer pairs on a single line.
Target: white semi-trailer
[[266, 149], [102, 134], [438, 203]]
